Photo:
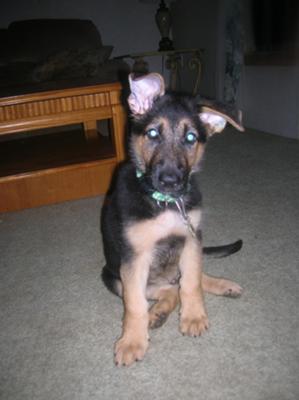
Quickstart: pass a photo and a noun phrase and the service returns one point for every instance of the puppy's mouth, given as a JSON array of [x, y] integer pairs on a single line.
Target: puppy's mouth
[[170, 181]]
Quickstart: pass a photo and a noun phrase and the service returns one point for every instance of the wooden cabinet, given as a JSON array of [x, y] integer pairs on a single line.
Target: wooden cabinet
[[45, 167]]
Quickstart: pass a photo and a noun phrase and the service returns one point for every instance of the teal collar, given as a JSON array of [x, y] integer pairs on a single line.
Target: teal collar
[[158, 196], [166, 198]]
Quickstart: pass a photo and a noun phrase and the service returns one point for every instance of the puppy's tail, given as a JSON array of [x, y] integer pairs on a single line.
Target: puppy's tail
[[223, 251]]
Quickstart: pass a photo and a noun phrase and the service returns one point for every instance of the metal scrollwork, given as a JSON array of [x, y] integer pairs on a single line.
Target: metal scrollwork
[[173, 63], [195, 64]]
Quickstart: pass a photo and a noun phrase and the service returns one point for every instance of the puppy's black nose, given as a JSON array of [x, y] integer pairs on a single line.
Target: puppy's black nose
[[169, 179]]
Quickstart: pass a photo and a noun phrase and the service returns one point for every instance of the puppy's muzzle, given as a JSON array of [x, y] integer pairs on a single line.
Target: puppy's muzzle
[[170, 179]]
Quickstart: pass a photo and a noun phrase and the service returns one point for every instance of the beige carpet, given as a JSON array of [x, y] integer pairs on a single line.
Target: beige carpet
[[59, 323]]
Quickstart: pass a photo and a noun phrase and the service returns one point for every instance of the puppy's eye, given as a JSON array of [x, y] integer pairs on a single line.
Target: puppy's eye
[[152, 134], [190, 137]]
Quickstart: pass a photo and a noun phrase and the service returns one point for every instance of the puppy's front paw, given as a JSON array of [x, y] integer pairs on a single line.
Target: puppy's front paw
[[193, 325], [130, 349]]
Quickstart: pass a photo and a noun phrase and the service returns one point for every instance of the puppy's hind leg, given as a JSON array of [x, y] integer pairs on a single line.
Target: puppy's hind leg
[[167, 299], [221, 287]]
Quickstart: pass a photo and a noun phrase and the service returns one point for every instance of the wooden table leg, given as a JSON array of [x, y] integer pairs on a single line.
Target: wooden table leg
[[90, 131], [119, 126]]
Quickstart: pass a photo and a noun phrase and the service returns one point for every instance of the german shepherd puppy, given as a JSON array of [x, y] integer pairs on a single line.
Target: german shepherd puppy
[[151, 218]]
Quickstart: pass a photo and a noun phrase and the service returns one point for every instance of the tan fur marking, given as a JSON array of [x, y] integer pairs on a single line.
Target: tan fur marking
[[210, 284], [143, 235], [134, 340], [197, 156], [220, 287], [193, 320], [167, 300], [186, 122], [139, 153], [143, 150], [159, 122], [195, 217], [195, 153]]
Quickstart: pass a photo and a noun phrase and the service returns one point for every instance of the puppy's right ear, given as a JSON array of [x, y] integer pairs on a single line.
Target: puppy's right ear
[[144, 90], [214, 115]]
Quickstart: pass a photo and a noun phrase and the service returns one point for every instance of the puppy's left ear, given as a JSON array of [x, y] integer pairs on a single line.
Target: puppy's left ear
[[215, 115], [144, 90]]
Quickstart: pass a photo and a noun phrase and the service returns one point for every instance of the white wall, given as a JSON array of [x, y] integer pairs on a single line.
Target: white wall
[[269, 98], [269, 95]]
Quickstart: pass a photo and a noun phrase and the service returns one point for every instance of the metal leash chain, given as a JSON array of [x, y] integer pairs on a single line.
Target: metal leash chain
[[182, 210]]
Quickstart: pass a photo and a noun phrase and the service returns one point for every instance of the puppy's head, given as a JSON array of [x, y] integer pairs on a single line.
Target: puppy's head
[[169, 133]]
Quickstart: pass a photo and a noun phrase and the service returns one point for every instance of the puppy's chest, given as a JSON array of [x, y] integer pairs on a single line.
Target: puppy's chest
[[145, 234], [164, 267], [162, 239]]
